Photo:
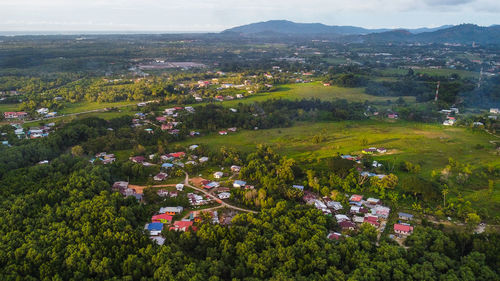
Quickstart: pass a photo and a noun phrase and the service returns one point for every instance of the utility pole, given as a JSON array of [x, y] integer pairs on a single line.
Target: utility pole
[[437, 92]]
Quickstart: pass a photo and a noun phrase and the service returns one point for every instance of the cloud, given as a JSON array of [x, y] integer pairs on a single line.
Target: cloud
[[447, 2]]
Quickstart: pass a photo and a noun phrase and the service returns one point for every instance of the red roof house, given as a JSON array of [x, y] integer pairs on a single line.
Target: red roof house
[[403, 229], [163, 218], [181, 225]]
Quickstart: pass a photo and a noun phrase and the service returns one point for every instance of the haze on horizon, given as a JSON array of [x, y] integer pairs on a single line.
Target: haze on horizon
[[217, 15]]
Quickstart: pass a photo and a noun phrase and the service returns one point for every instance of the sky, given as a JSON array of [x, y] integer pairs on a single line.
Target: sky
[[217, 15]]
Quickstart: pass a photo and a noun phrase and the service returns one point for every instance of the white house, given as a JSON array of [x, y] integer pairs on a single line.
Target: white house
[[218, 175]]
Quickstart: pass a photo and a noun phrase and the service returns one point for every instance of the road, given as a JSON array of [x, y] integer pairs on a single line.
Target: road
[[223, 204]]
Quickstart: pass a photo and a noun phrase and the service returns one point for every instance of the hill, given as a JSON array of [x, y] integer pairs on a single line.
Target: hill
[[289, 27]]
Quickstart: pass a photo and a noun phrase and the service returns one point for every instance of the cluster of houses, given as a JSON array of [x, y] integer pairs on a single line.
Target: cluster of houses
[[163, 219], [373, 150], [105, 158], [198, 200], [225, 132], [123, 188]]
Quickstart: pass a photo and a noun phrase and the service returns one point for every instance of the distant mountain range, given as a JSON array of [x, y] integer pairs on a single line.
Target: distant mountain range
[[464, 33]]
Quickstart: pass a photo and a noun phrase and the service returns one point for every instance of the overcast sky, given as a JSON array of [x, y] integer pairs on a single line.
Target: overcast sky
[[216, 15]]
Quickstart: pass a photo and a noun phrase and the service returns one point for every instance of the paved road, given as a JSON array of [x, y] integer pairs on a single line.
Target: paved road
[[223, 204]]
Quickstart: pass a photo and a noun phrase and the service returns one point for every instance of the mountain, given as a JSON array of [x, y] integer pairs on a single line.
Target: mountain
[[462, 34], [292, 28]]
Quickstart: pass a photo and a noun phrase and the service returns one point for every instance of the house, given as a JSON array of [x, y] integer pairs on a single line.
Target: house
[[392, 116], [173, 194], [181, 225], [372, 201], [235, 168], [449, 122], [179, 186], [222, 133], [358, 219], [381, 211], [347, 225], [376, 224], [167, 165], [193, 147], [155, 228], [160, 176], [138, 159], [239, 183], [403, 229], [224, 195], [370, 150], [334, 236], [358, 210], [341, 217], [161, 119], [158, 240], [355, 198], [177, 154], [381, 150], [42, 111], [405, 216], [232, 129], [162, 218], [211, 185], [15, 115], [494, 110], [194, 133], [218, 175], [162, 193], [299, 187], [334, 205], [203, 159], [120, 186], [171, 210]]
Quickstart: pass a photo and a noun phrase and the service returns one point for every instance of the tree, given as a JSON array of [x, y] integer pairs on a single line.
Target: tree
[[472, 220], [77, 150]]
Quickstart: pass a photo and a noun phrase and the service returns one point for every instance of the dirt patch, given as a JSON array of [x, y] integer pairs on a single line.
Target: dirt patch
[[196, 181], [139, 189]]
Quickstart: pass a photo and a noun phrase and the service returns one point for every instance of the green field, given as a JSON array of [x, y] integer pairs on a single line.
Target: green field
[[428, 145], [8, 107], [316, 90]]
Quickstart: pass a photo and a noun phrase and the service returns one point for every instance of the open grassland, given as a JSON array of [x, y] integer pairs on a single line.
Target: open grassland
[[318, 91], [8, 107], [428, 145], [431, 71], [84, 106]]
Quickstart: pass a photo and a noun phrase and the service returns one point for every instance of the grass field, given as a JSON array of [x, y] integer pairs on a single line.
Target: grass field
[[432, 72], [88, 106], [8, 107], [316, 90], [428, 145]]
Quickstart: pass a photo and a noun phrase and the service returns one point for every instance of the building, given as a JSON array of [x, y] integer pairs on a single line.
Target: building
[[155, 228], [405, 216], [299, 187], [356, 199], [179, 186], [334, 236], [334, 205], [347, 225], [494, 110], [381, 211], [138, 159], [162, 218], [235, 168], [15, 115], [171, 210], [162, 193], [341, 218], [403, 229], [224, 195], [160, 176], [239, 183], [218, 175], [181, 225]]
